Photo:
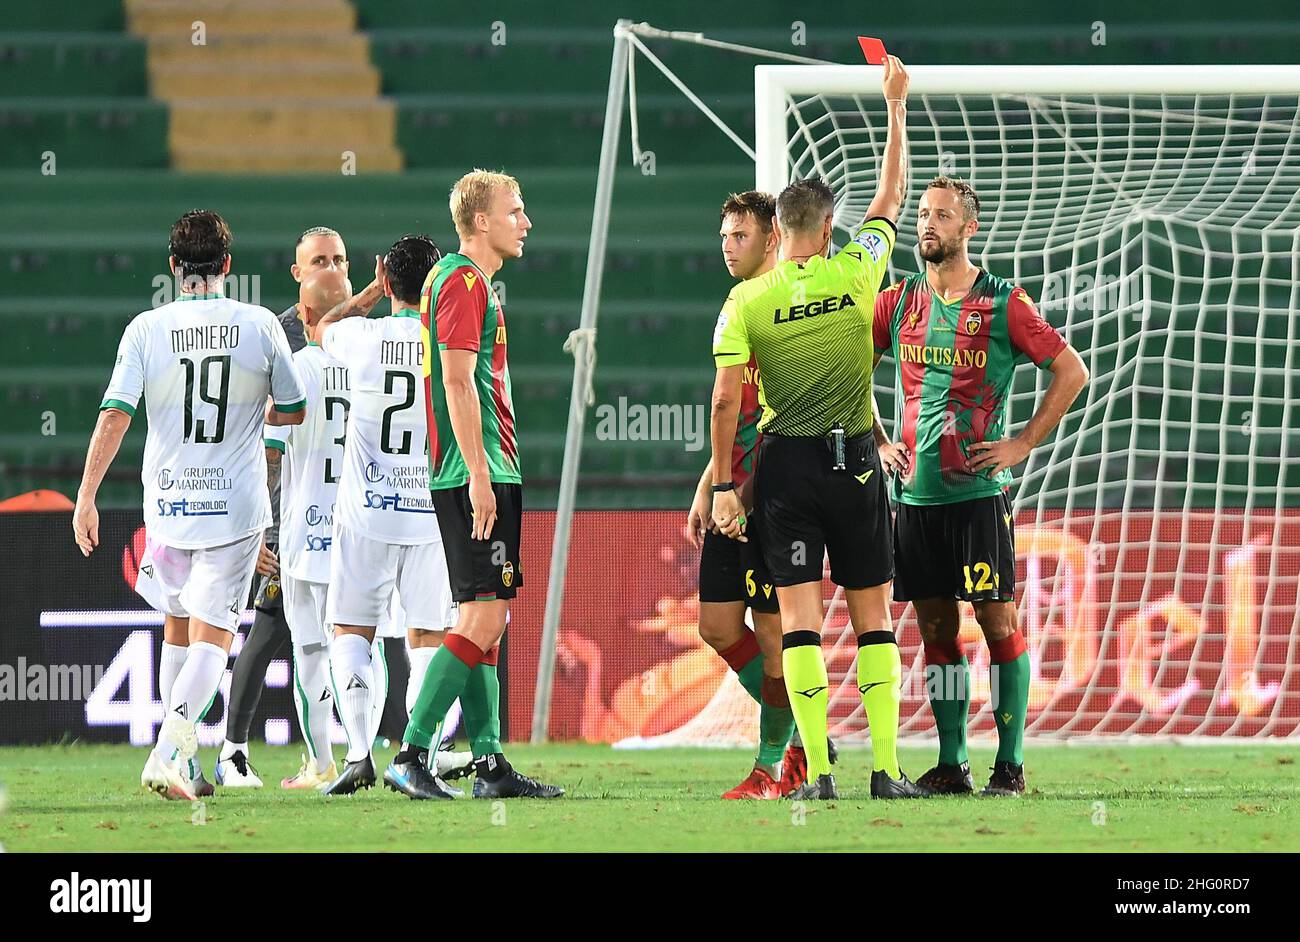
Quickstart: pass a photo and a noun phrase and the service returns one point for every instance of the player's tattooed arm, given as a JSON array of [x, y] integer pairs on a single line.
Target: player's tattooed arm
[[359, 305], [104, 444], [273, 466]]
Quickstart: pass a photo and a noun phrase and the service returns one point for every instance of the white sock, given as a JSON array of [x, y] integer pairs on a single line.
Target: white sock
[[313, 701], [353, 679], [195, 687], [169, 665], [420, 658], [229, 748], [381, 688]]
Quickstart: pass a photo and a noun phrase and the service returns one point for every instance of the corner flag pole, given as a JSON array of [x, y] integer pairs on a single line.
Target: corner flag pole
[[582, 343]]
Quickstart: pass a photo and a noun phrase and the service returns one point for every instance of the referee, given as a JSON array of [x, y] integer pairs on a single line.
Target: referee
[[820, 488]]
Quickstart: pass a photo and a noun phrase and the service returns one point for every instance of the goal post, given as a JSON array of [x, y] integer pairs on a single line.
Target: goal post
[[775, 85], [1154, 213]]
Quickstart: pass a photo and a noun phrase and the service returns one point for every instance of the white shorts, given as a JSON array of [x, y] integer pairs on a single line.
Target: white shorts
[[364, 572], [392, 624], [211, 584], [304, 610]]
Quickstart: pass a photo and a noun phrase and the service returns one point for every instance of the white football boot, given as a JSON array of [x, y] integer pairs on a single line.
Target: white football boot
[[452, 765], [170, 778], [235, 771]]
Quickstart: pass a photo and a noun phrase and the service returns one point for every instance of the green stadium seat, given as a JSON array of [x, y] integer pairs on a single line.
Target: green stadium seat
[[57, 65]]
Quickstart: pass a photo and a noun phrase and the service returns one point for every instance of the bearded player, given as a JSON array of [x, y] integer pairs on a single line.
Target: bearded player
[[732, 573], [956, 333]]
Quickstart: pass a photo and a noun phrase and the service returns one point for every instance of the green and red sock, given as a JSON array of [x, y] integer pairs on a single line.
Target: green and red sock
[[775, 718], [444, 682], [1009, 689], [775, 721], [481, 706], [745, 658], [947, 681]]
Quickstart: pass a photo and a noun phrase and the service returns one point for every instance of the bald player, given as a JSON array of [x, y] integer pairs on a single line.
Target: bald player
[[319, 249], [312, 463]]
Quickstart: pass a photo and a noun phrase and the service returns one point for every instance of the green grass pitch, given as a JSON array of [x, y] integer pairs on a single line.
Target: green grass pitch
[[1093, 798]]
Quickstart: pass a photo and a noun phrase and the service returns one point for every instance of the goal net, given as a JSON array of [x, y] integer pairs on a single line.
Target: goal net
[[1155, 215]]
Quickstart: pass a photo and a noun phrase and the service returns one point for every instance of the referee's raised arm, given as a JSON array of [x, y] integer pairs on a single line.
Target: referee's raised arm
[[819, 488], [891, 190]]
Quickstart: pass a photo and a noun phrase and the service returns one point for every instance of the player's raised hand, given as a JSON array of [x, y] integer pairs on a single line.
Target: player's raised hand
[[483, 502], [380, 270], [85, 526], [896, 79]]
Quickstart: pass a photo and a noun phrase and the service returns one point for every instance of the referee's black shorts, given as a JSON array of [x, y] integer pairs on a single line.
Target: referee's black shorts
[[481, 570], [732, 571], [809, 508]]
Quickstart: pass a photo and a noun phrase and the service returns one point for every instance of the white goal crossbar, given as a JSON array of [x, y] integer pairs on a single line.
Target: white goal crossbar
[[773, 84]]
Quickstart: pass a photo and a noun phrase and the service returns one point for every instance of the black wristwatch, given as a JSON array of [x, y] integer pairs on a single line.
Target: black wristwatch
[[720, 488]]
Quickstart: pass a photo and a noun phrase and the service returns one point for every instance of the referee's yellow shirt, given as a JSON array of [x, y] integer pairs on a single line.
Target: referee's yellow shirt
[[809, 327]]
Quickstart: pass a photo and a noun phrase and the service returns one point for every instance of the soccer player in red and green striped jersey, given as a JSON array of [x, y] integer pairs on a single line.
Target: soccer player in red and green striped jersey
[[956, 333], [732, 574], [477, 488]]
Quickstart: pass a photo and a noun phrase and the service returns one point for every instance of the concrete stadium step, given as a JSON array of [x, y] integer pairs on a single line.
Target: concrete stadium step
[[300, 112], [204, 124], [276, 81], [239, 51], [237, 17], [373, 159], [367, 158]]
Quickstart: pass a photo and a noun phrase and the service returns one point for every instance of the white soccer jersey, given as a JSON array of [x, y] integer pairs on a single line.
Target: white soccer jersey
[[313, 464], [205, 365], [384, 493]]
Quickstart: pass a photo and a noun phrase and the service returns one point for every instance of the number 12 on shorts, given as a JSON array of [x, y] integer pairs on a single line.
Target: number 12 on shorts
[[987, 578]]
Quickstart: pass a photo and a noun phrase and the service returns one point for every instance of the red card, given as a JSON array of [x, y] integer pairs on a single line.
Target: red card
[[873, 49]]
